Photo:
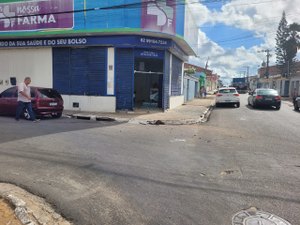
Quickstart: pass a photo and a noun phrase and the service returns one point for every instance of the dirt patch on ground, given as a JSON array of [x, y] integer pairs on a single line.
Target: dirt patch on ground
[[22, 207], [7, 214]]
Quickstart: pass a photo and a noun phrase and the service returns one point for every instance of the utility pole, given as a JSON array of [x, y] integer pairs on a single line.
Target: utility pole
[[267, 73], [288, 68], [247, 77], [206, 65], [247, 73]]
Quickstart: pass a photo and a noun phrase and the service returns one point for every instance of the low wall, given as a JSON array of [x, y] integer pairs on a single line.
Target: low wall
[[176, 101], [90, 103]]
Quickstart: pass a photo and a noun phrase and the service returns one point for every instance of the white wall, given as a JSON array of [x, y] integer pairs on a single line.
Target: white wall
[[90, 103], [176, 101], [20, 63], [191, 27], [110, 71]]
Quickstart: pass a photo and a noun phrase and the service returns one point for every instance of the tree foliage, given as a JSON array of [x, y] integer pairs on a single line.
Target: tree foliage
[[294, 29], [190, 71], [281, 37], [286, 46]]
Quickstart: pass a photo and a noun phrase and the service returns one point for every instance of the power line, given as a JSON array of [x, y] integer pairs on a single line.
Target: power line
[[261, 22], [140, 5], [249, 3], [127, 6], [121, 6], [231, 40]]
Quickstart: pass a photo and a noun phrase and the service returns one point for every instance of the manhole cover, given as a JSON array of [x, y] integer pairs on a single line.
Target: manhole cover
[[254, 217]]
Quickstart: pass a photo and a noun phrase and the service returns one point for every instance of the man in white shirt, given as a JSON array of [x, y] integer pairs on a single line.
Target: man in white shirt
[[24, 100]]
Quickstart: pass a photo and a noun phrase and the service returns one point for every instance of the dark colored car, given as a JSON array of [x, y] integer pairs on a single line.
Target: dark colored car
[[297, 103], [264, 97], [45, 101]]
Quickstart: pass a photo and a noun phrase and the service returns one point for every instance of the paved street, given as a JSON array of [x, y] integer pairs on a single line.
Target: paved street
[[118, 173], [259, 151]]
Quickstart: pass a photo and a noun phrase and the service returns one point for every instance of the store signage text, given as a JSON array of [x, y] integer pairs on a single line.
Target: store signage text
[[46, 42], [148, 54], [153, 41], [117, 41], [36, 15]]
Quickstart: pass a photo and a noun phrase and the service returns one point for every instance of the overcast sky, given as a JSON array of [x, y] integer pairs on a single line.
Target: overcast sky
[[231, 34]]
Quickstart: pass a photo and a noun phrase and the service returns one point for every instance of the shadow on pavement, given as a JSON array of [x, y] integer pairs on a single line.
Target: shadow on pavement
[[225, 107], [262, 108], [12, 130]]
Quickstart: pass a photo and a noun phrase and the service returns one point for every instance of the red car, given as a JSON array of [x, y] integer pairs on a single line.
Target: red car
[[45, 101]]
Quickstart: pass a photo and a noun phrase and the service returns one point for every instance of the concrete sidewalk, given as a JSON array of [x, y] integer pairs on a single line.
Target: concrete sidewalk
[[192, 112]]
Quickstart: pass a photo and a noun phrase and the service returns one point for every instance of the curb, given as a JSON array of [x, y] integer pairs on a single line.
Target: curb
[[96, 118], [165, 122], [20, 209], [207, 113], [30, 209], [202, 119]]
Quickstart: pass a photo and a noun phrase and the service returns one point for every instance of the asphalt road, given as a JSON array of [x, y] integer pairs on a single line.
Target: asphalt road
[[109, 173], [260, 148]]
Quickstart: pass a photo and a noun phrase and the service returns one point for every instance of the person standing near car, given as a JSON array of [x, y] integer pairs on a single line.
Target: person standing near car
[[24, 100]]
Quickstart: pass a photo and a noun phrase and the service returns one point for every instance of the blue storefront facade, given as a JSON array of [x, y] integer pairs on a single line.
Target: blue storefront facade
[[100, 55]]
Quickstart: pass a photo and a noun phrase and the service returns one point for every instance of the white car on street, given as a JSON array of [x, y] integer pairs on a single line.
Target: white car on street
[[226, 96]]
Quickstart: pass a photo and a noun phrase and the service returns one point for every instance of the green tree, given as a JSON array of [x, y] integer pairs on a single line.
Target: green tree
[[286, 48], [294, 29], [190, 71]]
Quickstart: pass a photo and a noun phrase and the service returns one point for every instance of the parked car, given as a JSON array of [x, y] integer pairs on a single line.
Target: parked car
[[212, 92], [215, 91], [297, 103], [264, 97], [45, 101], [227, 95]]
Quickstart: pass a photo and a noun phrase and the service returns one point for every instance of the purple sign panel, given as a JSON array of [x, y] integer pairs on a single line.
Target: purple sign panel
[[36, 15], [159, 16]]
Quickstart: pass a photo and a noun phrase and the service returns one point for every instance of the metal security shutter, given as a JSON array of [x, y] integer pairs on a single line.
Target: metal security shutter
[[124, 78], [61, 70], [79, 67], [96, 76], [166, 80], [80, 71], [176, 76]]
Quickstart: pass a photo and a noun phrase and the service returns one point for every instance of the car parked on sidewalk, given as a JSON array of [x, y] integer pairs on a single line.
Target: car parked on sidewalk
[[45, 102], [264, 97], [227, 96], [297, 103]]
